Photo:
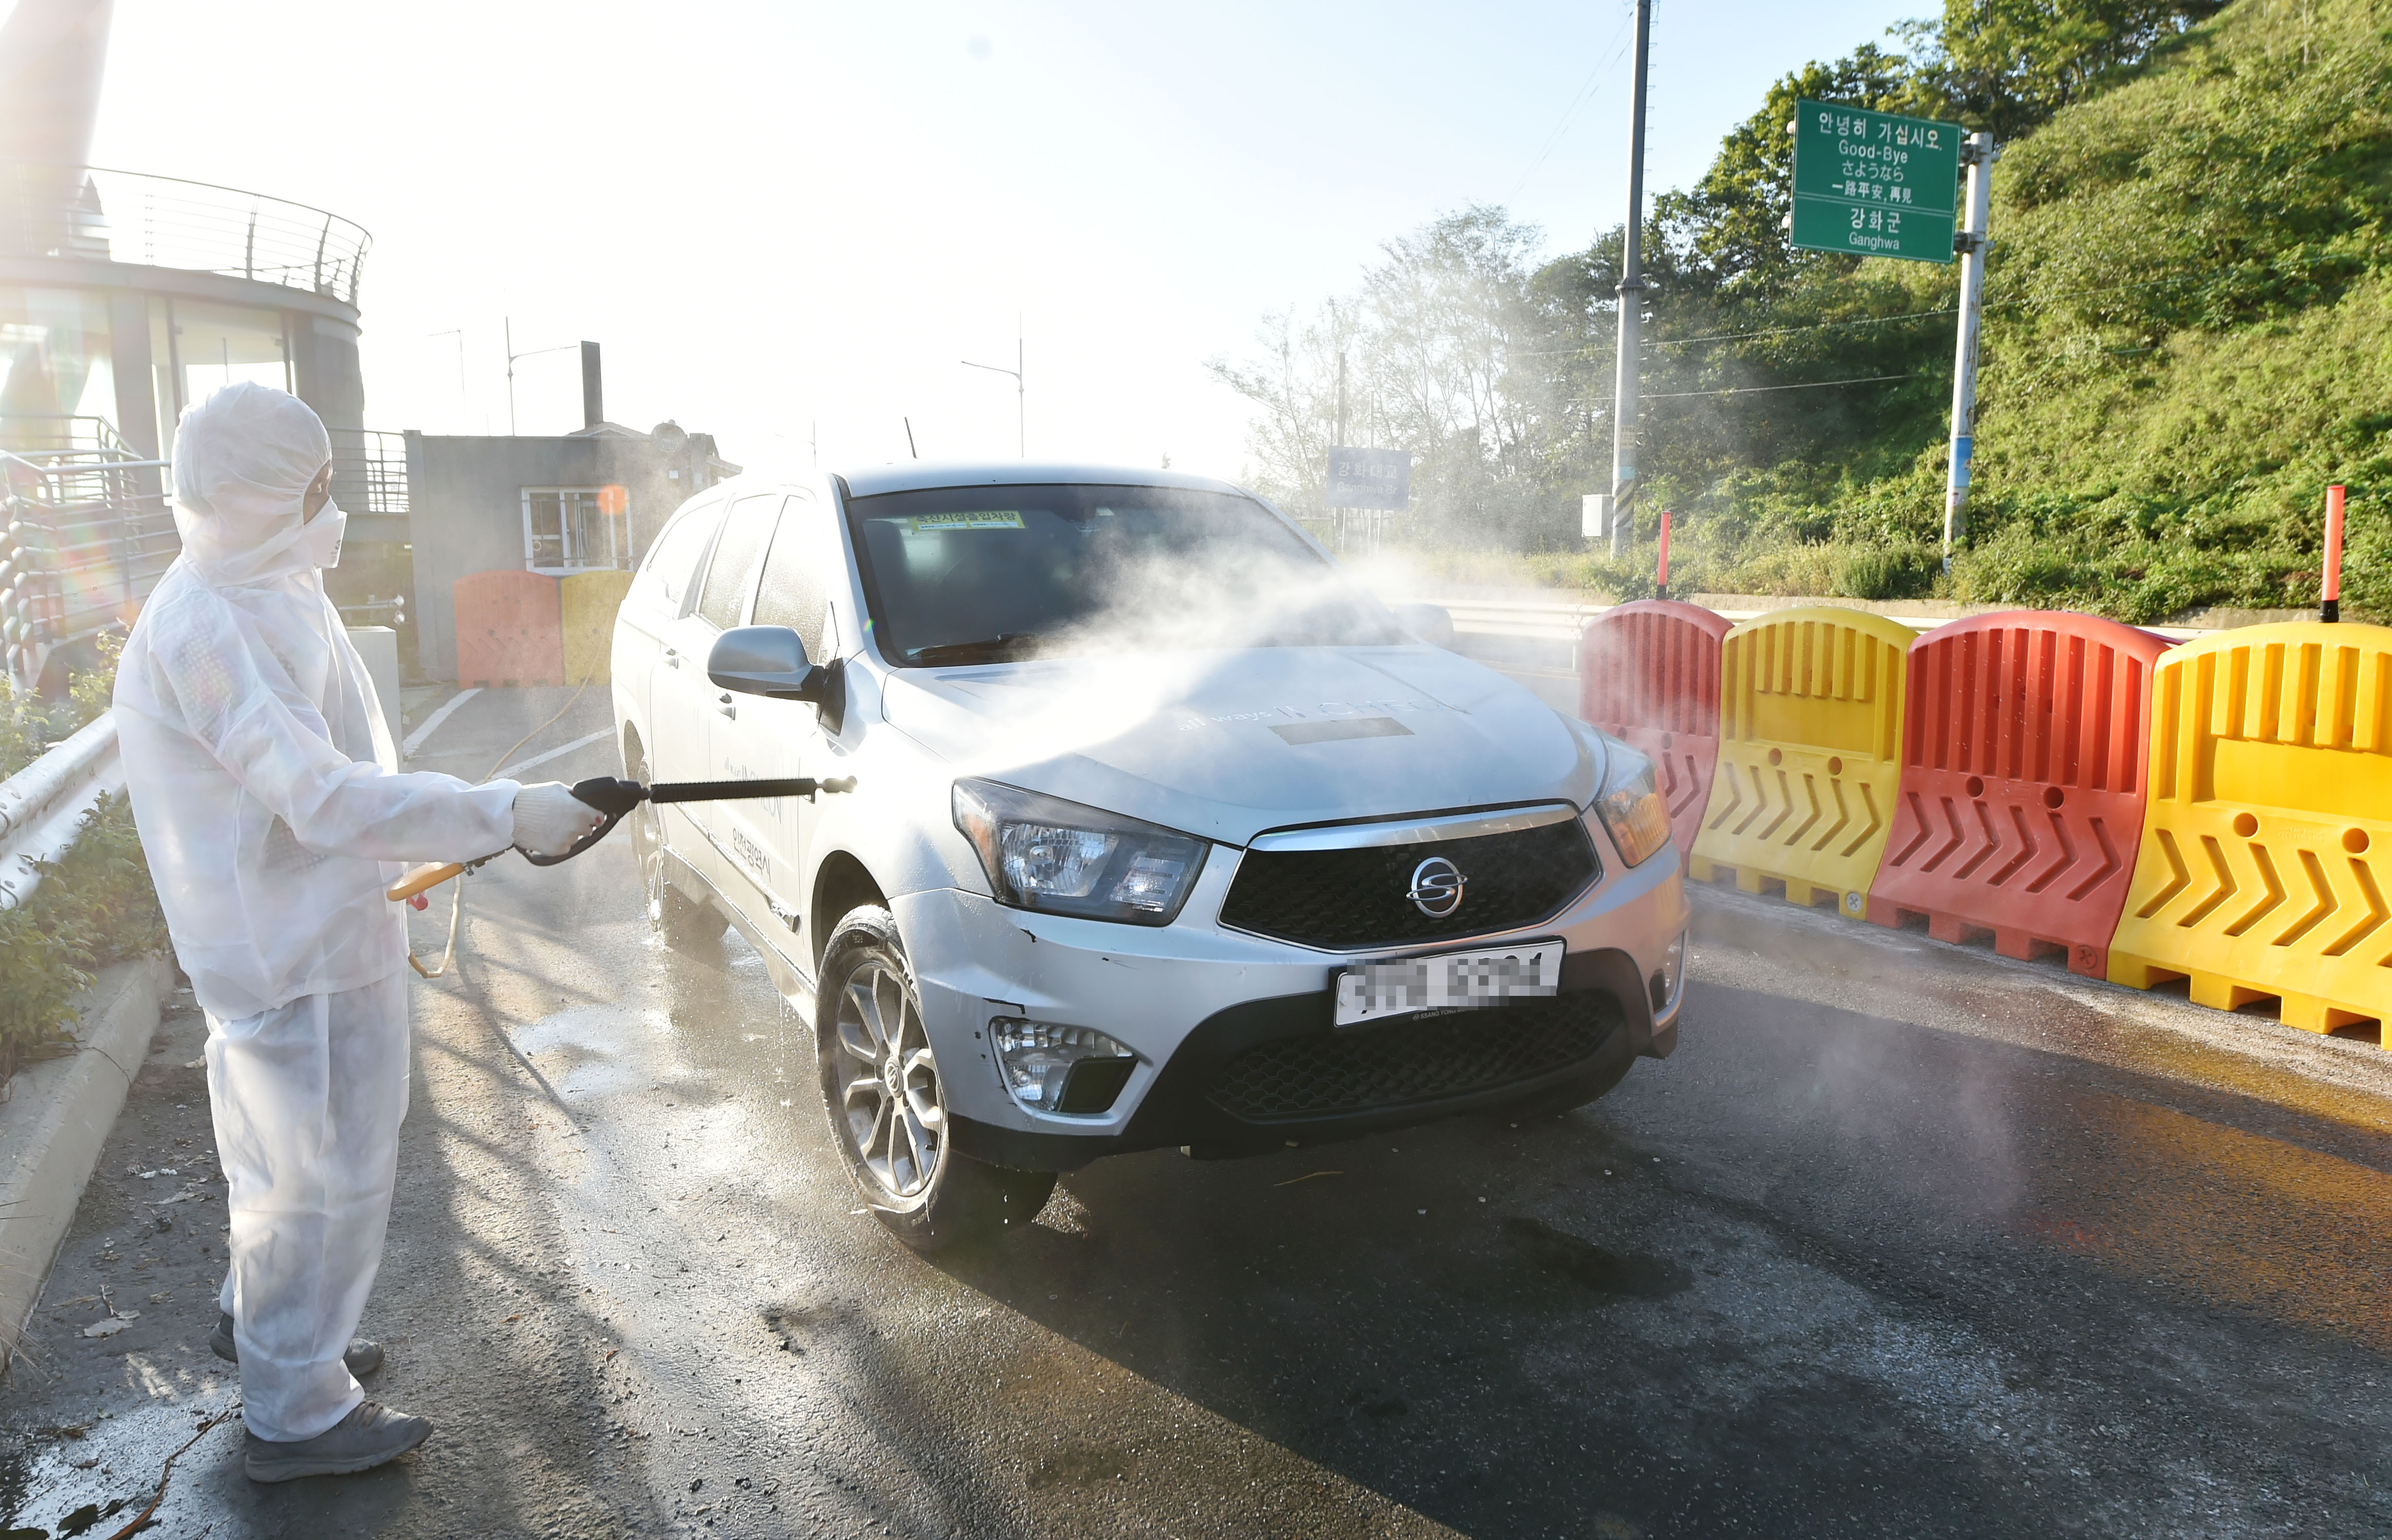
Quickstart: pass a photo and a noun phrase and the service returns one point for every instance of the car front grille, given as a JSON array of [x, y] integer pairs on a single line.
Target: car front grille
[[1403, 1064], [1350, 899]]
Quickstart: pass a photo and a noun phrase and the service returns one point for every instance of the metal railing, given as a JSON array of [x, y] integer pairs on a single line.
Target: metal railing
[[99, 214], [370, 471], [85, 533]]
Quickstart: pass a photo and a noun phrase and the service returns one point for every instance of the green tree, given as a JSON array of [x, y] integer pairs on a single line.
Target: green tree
[[2010, 65]]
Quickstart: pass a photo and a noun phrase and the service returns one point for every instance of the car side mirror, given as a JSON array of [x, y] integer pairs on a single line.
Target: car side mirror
[[766, 661], [1429, 622]]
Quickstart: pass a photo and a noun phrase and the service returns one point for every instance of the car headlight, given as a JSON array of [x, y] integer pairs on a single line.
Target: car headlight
[[1042, 853], [1631, 804]]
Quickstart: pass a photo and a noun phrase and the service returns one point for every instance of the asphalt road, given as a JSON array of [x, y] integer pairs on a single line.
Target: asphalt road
[[1906, 1239]]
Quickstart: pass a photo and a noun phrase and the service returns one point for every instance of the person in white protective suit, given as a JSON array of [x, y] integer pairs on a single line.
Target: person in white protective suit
[[270, 806]]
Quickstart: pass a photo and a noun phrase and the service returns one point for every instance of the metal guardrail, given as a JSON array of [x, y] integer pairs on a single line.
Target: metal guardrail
[[97, 214], [43, 806]]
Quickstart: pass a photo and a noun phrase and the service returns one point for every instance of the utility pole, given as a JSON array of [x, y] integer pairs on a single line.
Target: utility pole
[[1978, 154], [1631, 303]]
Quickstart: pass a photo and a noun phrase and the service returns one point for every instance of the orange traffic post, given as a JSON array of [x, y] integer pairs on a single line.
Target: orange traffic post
[[2330, 584], [2021, 800], [1649, 674]]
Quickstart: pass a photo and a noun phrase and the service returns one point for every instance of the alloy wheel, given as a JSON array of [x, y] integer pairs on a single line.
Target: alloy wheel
[[890, 1100]]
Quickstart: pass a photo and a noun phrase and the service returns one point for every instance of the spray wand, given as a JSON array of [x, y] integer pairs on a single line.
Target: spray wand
[[613, 797]]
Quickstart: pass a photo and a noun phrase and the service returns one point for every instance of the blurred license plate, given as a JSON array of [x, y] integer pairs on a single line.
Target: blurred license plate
[[1446, 981]]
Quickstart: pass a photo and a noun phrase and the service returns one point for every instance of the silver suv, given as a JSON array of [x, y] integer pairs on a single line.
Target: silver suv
[[1163, 833]]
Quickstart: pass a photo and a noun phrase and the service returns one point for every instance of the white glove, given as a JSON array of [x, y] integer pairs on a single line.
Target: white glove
[[549, 817]]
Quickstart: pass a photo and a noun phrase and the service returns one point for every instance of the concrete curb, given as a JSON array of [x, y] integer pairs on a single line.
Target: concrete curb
[[53, 1127]]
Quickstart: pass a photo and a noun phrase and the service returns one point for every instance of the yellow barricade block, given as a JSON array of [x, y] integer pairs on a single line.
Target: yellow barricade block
[[589, 601], [1810, 754], [2270, 808]]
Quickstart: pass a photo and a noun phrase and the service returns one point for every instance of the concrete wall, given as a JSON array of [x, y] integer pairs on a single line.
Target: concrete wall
[[466, 507]]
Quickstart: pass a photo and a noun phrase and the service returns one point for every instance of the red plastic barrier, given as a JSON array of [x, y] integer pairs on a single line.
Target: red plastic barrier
[[2022, 783], [1650, 673], [509, 629]]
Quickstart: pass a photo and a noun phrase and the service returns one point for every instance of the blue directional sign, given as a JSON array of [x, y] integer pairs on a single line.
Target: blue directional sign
[[1370, 479]]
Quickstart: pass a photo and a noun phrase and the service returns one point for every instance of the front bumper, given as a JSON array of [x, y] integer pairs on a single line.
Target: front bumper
[[1189, 997]]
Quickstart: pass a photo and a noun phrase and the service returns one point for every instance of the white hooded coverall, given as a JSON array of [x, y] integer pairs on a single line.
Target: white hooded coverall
[[268, 795]]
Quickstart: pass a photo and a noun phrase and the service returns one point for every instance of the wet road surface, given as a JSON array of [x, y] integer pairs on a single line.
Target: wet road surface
[[1904, 1239]]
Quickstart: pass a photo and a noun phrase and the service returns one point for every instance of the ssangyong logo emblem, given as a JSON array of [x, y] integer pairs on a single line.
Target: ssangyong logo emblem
[[1436, 887]]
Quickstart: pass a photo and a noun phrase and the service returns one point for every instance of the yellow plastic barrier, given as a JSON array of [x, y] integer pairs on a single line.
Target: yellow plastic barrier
[[1810, 754], [2271, 803], [589, 601]]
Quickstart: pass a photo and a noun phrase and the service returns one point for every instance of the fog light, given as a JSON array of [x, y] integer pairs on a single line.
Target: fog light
[[1069, 1069]]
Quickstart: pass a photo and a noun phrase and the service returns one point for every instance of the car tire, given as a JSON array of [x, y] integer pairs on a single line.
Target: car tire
[[886, 1100], [686, 924]]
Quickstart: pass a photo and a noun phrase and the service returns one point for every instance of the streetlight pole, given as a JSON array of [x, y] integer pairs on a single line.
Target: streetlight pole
[[1631, 303], [511, 357], [1021, 389]]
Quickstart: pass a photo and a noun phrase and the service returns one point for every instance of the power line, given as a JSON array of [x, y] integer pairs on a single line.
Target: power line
[[1747, 390], [1585, 93], [1877, 320], [1754, 390], [1815, 326]]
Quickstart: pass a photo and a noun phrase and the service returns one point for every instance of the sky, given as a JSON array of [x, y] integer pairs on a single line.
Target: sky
[[789, 224]]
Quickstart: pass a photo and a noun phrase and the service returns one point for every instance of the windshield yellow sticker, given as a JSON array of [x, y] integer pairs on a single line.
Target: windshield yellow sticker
[[933, 523]]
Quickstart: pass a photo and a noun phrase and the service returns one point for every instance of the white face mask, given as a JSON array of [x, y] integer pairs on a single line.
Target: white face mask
[[320, 540]]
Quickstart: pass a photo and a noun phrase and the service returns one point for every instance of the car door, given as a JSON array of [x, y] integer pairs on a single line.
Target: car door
[[763, 840], [686, 704], [654, 601]]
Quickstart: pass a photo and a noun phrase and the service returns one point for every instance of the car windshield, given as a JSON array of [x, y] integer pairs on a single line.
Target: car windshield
[[989, 574]]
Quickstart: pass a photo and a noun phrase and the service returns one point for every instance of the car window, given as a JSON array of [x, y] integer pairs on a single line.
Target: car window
[[725, 589], [797, 579], [664, 577]]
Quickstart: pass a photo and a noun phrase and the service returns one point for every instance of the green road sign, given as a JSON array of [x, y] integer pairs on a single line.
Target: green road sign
[[1871, 184]]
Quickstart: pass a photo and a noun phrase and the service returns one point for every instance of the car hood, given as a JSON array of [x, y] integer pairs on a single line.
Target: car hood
[[1229, 744]]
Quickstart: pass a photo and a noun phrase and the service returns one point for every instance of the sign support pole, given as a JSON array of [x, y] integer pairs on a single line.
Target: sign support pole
[[1969, 242], [1631, 303]]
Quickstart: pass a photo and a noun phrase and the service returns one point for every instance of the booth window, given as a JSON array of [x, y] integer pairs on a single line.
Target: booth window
[[564, 532]]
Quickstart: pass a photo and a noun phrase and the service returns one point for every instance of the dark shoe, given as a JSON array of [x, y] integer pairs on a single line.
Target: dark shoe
[[363, 1357], [368, 1435]]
